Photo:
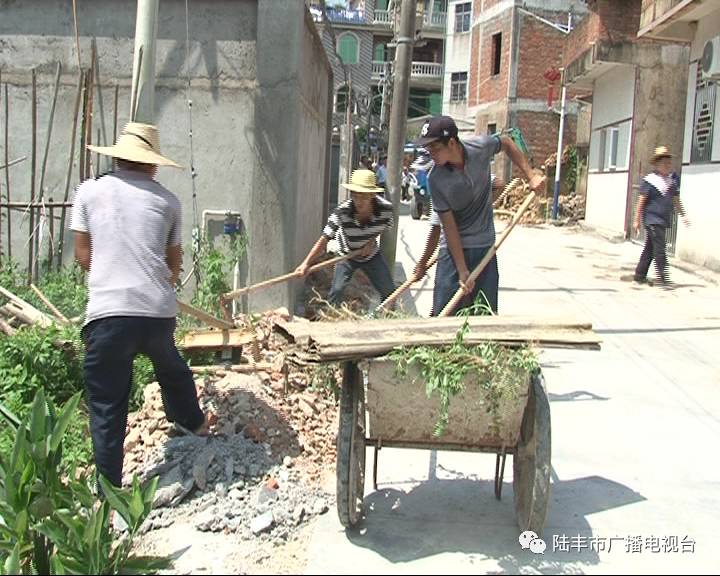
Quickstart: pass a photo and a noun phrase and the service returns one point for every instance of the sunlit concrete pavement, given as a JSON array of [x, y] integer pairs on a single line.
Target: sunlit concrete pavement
[[635, 430]]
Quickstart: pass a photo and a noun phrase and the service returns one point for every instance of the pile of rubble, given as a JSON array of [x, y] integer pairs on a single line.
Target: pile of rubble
[[272, 440], [571, 208]]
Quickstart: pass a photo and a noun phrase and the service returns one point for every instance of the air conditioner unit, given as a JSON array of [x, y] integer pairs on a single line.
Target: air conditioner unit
[[710, 61]]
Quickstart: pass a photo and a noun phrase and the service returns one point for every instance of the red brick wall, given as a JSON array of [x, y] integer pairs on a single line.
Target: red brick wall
[[495, 87], [541, 47], [474, 60], [540, 131], [613, 20]]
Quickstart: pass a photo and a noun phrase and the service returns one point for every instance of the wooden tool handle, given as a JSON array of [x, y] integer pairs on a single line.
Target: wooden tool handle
[[404, 286], [455, 300], [286, 277]]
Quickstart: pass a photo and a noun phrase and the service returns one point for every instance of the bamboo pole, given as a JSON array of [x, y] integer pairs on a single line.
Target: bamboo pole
[[115, 113], [390, 300], [28, 205], [284, 277], [6, 166], [83, 127], [209, 319], [73, 133], [51, 236], [33, 166], [89, 168], [13, 162], [7, 173], [44, 299], [41, 192], [460, 294]]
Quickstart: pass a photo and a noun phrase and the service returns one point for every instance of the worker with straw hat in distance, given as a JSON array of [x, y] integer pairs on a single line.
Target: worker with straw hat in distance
[[127, 236], [356, 224], [659, 194]]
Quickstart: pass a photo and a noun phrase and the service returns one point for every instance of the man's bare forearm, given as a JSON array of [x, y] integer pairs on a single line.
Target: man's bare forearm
[[452, 235]]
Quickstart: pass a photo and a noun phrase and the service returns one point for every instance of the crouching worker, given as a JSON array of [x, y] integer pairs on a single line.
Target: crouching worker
[[356, 224]]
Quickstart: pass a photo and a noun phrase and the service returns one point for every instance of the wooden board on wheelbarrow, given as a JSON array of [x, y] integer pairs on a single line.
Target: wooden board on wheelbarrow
[[353, 340]]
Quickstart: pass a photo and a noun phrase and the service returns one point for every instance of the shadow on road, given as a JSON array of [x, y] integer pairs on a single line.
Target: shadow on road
[[462, 516]]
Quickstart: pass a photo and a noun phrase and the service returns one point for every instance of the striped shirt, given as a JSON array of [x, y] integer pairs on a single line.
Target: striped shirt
[[351, 235]]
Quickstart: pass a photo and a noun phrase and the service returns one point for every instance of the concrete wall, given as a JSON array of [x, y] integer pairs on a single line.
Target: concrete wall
[[291, 136], [237, 90], [222, 65], [457, 59], [606, 201], [699, 243]]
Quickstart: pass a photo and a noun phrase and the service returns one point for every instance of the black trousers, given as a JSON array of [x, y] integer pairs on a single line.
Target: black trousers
[[654, 249], [111, 346]]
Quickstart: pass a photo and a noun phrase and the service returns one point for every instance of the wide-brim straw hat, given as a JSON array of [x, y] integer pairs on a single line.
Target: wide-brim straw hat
[[363, 181], [137, 143], [661, 152]]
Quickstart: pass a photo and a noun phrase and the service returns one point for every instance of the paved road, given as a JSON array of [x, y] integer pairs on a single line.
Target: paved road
[[635, 429]]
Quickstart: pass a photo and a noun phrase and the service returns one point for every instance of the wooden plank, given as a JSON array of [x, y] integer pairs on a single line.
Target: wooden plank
[[376, 329], [209, 319], [240, 368], [216, 339], [330, 342]]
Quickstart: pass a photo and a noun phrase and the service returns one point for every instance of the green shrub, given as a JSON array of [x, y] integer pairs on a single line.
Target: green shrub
[[50, 522]]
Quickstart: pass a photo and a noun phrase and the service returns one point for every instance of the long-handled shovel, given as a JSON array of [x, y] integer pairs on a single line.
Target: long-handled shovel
[[284, 278], [455, 300], [390, 300]]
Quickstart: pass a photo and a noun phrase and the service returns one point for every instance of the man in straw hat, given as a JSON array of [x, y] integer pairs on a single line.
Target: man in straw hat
[[659, 194], [461, 191], [356, 224], [127, 236]]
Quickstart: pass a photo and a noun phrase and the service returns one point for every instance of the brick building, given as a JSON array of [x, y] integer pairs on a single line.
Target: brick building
[[503, 50]]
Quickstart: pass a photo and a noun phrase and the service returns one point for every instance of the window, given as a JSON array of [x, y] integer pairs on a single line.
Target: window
[[702, 134], [348, 48], [612, 142], [458, 86], [496, 53], [492, 129], [379, 55], [610, 147], [462, 17], [341, 99]]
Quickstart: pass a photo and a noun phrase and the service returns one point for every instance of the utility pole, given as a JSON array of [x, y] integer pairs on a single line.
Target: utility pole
[[405, 40], [142, 105]]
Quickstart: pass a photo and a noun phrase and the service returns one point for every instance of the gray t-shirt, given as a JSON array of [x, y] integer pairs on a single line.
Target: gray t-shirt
[[468, 192], [132, 220]]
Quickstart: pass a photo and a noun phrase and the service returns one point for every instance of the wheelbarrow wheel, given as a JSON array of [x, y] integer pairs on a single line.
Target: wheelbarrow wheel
[[531, 464], [351, 447]]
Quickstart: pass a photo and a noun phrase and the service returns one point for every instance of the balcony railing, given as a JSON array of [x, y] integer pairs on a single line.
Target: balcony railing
[[382, 17], [345, 16], [433, 20], [426, 70], [380, 68], [418, 70]]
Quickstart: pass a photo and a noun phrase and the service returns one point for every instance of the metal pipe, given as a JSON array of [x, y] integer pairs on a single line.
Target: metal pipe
[[558, 159]]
